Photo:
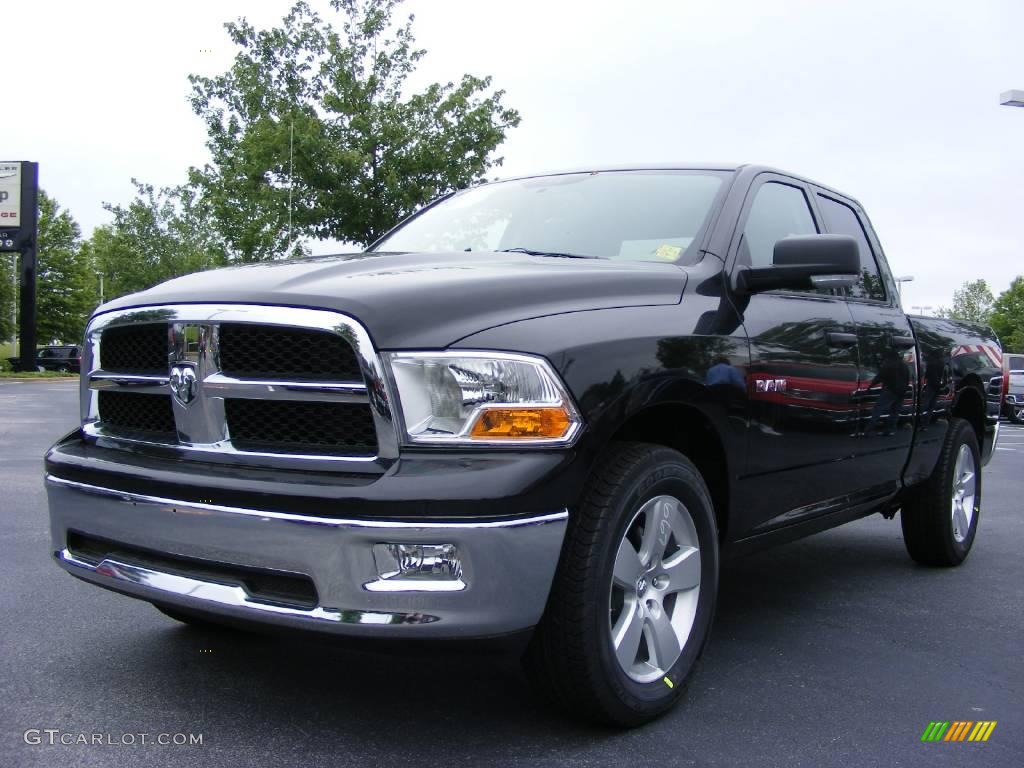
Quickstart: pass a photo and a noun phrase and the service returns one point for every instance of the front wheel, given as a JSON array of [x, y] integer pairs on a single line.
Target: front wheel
[[1017, 414], [634, 595], [940, 519]]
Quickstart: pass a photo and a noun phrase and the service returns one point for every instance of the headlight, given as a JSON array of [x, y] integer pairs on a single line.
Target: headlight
[[481, 397]]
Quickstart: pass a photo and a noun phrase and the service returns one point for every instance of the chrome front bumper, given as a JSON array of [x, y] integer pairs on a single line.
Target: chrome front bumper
[[507, 565]]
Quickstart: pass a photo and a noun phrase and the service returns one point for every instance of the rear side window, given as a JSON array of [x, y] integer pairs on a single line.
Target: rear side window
[[778, 211], [841, 219]]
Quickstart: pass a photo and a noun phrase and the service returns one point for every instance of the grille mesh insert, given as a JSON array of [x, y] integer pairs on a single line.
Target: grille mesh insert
[[284, 426], [135, 348], [271, 352], [137, 412]]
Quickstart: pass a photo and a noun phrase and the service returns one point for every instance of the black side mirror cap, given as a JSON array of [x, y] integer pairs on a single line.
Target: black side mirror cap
[[798, 260]]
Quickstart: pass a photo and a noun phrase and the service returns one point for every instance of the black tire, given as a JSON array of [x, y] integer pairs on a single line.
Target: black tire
[[1016, 414], [571, 658], [927, 517]]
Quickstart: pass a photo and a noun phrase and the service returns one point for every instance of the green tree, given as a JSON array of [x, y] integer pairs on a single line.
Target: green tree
[[8, 294], [312, 130], [161, 234], [66, 286], [972, 302], [1007, 318]]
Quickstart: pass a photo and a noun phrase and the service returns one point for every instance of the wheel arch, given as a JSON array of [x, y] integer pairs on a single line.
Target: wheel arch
[[689, 430], [969, 404]]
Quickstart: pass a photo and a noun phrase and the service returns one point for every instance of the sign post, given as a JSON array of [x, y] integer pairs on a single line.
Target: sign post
[[19, 225]]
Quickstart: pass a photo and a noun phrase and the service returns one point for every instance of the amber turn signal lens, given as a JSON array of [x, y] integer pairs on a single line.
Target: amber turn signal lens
[[512, 423]]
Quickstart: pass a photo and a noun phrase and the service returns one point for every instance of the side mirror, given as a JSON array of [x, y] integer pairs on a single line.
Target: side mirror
[[798, 260]]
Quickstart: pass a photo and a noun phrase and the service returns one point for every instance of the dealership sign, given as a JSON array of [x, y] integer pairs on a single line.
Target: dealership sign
[[10, 195]]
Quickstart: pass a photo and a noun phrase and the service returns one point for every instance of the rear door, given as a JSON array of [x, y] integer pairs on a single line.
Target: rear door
[[888, 357], [803, 372]]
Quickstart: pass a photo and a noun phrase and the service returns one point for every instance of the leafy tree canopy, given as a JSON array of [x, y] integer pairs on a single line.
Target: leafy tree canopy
[[66, 291], [161, 234], [1007, 318], [973, 302], [328, 108]]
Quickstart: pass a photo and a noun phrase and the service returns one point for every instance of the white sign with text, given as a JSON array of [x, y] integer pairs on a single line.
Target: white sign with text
[[10, 194]]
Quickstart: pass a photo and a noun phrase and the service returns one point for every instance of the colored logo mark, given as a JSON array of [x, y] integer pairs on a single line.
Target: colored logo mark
[[958, 730]]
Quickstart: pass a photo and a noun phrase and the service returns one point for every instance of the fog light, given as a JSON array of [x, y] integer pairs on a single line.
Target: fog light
[[408, 567]]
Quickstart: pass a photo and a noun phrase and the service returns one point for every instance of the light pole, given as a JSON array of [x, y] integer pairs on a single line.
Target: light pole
[[921, 310], [1012, 98], [899, 284]]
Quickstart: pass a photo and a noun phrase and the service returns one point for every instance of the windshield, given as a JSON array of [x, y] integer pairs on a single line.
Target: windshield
[[630, 215]]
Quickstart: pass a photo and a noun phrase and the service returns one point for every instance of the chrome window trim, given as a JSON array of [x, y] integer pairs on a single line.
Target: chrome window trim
[[202, 430]]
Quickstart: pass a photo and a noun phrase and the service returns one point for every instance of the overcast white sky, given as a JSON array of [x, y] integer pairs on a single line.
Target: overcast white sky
[[891, 101]]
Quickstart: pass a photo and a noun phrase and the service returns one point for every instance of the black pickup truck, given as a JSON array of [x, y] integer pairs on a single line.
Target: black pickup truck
[[547, 405]]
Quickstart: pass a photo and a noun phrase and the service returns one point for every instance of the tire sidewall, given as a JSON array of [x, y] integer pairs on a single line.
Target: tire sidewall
[[964, 436], [667, 476]]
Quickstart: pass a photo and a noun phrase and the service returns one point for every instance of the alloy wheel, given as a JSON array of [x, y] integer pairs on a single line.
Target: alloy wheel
[[655, 586], [964, 488]]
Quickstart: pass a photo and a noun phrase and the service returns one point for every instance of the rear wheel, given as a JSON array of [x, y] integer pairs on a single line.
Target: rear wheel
[[940, 519], [634, 595], [1017, 414]]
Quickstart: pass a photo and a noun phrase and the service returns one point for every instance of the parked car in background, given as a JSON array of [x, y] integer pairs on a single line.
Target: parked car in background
[[65, 358], [1013, 404]]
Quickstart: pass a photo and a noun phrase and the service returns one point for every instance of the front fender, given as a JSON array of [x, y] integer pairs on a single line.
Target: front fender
[[621, 362]]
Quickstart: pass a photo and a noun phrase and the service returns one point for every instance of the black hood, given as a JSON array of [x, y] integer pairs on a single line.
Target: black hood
[[428, 300]]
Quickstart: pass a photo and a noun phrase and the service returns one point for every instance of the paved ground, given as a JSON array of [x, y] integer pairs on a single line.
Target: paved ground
[[836, 650]]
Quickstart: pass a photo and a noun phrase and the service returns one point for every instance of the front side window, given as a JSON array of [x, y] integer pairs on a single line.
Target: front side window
[[841, 219], [627, 215], [778, 211]]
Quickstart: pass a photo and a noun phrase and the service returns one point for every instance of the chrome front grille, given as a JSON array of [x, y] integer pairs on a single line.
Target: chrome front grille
[[265, 385]]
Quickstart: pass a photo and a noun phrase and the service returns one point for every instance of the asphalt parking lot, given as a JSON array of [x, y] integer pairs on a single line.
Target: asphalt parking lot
[[836, 650]]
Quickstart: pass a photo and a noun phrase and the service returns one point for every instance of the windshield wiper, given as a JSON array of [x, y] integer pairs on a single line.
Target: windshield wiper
[[557, 254]]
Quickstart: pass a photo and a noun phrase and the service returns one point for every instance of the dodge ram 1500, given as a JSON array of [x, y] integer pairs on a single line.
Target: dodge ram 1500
[[547, 405]]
